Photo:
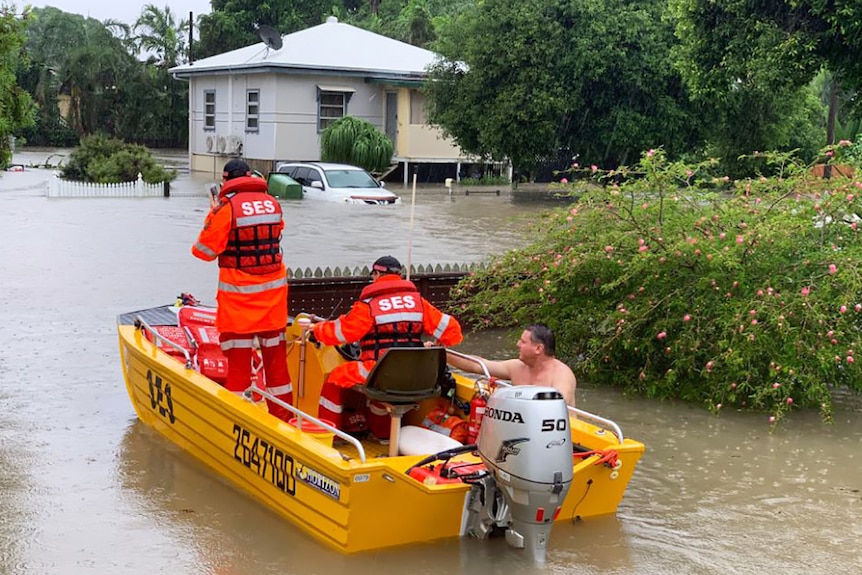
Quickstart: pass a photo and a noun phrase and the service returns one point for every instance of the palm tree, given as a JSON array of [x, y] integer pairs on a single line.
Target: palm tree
[[160, 35]]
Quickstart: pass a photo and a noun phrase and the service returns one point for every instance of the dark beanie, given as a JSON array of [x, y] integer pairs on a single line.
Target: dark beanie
[[236, 169], [387, 264]]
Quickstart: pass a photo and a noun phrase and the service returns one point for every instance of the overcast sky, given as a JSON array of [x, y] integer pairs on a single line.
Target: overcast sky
[[126, 11]]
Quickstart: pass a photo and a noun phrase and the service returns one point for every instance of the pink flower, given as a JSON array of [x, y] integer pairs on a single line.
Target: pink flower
[[760, 293], [858, 307], [771, 419], [805, 291], [661, 335], [732, 386], [844, 143], [843, 309], [752, 312], [650, 153], [833, 268], [830, 154], [739, 239], [709, 365], [594, 168], [643, 248], [609, 249], [718, 406], [564, 181], [721, 235], [776, 385], [754, 322], [686, 317], [850, 359], [789, 401]]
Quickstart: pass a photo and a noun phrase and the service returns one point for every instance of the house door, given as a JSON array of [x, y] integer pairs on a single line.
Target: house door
[[391, 124]]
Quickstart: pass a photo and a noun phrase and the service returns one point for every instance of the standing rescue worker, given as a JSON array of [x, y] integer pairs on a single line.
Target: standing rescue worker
[[389, 313], [243, 230]]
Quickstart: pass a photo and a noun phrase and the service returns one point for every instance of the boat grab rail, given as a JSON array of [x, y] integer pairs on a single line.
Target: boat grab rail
[[157, 337], [603, 422], [141, 324], [301, 415]]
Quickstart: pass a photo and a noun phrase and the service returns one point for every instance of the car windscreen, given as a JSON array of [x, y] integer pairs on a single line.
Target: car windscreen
[[350, 179]]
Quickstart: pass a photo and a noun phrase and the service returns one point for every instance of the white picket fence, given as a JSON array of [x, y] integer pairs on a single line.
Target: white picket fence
[[58, 188]]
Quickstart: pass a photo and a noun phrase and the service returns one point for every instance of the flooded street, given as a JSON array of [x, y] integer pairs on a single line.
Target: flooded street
[[87, 489]]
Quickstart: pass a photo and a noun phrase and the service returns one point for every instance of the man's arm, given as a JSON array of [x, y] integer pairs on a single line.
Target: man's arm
[[498, 369]]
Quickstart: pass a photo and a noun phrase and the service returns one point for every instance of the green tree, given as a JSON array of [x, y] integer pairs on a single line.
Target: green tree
[[232, 24], [750, 62], [102, 160], [523, 79], [161, 35], [669, 282], [16, 106], [108, 88], [354, 141]]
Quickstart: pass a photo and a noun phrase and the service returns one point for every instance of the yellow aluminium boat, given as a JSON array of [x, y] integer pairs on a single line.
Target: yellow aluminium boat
[[535, 461]]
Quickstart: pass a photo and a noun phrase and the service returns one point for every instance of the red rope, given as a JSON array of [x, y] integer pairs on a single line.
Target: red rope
[[608, 457]]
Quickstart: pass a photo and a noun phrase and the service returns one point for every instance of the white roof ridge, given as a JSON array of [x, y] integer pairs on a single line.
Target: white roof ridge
[[331, 46]]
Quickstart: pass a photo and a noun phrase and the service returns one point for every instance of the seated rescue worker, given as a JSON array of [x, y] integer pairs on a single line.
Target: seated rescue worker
[[390, 313]]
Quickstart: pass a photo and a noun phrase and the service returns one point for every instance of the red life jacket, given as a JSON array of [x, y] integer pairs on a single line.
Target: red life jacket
[[396, 308], [254, 243]]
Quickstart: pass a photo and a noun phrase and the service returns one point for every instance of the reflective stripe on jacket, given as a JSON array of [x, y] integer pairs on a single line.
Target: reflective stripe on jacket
[[359, 321], [396, 312]]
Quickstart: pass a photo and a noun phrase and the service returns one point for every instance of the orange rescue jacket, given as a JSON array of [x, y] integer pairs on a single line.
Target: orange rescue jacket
[[252, 289], [385, 317]]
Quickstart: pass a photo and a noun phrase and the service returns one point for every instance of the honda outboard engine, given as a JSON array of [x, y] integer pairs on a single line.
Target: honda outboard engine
[[525, 444]]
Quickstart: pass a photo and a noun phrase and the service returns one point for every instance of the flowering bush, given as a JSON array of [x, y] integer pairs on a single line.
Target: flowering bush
[[673, 283]]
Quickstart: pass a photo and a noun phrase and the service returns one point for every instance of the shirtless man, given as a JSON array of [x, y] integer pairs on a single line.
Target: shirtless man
[[536, 364]]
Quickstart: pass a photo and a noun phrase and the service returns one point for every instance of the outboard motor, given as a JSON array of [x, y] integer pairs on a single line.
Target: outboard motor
[[525, 443]]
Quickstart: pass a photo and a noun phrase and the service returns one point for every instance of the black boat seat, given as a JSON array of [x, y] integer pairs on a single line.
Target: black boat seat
[[402, 378]]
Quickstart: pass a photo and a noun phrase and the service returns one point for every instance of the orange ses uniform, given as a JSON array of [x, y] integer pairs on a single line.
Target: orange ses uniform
[[244, 233], [389, 313], [252, 289]]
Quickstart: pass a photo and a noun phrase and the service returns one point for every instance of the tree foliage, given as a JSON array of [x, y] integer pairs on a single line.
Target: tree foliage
[[748, 63], [672, 282], [233, 24], [105, 160], [523, 79], [108, 88], [354, 141], [16, 107]]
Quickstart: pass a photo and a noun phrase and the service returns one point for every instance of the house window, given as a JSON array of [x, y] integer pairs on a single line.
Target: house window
[[331, 105], [252, 110], [209, 109], [417, 107]]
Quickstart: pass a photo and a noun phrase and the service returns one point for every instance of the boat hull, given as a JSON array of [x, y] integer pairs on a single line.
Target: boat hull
[[329, 492]]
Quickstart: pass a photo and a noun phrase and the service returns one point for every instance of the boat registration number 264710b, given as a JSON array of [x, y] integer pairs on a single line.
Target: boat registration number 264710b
[[268, 461]]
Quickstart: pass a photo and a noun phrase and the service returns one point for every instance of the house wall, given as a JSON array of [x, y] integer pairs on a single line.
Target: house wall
[[420, 141], [288, 119]]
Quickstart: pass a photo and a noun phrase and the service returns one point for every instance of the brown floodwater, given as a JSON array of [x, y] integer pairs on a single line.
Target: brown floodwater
[[85, 488]]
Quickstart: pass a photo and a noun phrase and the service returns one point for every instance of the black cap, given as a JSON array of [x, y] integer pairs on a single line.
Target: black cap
[[387, 265], [235, 169]]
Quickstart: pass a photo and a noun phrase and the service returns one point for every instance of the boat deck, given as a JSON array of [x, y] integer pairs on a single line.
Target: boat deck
[[373, 449]]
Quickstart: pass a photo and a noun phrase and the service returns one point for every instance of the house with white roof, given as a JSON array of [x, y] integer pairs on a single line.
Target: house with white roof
[[269, 103]]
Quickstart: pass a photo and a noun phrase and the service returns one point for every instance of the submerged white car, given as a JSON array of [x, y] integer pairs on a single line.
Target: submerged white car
[[338, 183]]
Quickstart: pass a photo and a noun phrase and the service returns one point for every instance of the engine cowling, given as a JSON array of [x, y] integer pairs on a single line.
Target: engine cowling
[[525, 442]]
